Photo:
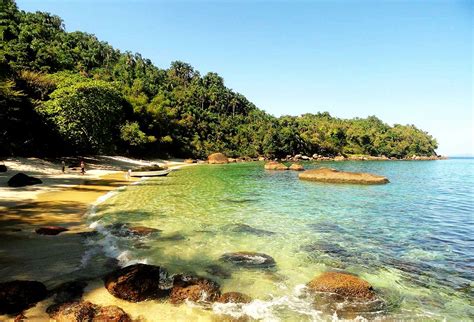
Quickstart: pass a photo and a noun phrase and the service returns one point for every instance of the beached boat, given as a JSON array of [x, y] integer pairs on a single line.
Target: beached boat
[[159, 173]]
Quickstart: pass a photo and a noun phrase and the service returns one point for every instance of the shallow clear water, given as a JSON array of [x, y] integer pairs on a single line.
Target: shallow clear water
[[412, 239]]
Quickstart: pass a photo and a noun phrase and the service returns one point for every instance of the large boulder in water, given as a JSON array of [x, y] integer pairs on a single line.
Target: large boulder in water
[[197, 289], [16, 296], [345, 295], [249, 259], [343, 284], [21, 180], [336, 176], [138, 282], [217, 158], [273, 165]]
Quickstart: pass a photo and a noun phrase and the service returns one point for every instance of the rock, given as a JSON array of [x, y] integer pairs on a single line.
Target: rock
[[72, 311], [69, 291], [273, 165], [335, 176], [232, 160], [343, 284], [234, 297], [218, 271], [16, 296], [3, 168], [189, 161], [246, 229], [261, 158], [217, 158], [111, 313], [296, 167], [21, 180], [249, 259], [339, 158], [80, 311], [138, 282], [142, 230], [305, 157], [50, 230], [196, 289]]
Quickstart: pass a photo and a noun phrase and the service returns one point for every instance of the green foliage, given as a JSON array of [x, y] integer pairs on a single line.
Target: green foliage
[[86, 114], [70, 92]]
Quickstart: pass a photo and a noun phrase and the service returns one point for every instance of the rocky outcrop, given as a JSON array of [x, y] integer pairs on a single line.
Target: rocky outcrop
[[50, 230], [296, 167], [346, 285], [336, 176], [196, 289], [21, 180], [273, 165], [234, 297], [249, 260], [16, 296], [86, 311], [217, 158], [138, 282]]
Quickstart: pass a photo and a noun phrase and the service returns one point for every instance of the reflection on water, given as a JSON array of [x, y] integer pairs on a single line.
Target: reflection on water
[[411, 239]]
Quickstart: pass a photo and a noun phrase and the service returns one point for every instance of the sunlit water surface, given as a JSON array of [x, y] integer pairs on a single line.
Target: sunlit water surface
[[412, 239]]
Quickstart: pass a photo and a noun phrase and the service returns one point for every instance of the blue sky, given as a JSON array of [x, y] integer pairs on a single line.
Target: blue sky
[[403, 61]]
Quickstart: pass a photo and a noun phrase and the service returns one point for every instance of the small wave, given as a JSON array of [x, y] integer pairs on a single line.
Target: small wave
[[268, 310]]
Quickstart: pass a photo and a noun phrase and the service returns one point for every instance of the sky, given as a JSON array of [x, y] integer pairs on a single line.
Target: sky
[[407, 62]]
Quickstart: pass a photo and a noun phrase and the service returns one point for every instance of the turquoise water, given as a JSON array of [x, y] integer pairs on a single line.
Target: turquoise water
[[412, 239]]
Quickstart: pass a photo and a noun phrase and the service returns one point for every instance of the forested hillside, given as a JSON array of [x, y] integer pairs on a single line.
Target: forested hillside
[[69, 93]]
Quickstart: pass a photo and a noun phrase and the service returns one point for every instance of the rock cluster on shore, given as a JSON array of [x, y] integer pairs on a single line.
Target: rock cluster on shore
[[335, 176]]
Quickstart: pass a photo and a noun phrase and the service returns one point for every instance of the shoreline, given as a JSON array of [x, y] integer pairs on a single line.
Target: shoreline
[[62, 200]]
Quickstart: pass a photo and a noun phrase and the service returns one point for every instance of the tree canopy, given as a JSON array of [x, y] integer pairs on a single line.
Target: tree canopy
[[68, 92]]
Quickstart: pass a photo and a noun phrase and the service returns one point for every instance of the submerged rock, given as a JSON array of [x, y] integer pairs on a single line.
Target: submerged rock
[[138, 282], [234, 297], [69, 291], [16, 296], [273, 165], [50, 230], [336, 176], [217, 158], [249, 259], [125, 230], [343, 284], [197, 289], [21, 180], [142, 230], [246, 229], [218, 271], [296, 167]]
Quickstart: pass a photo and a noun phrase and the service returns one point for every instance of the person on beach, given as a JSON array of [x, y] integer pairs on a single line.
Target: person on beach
[[63, 166], [83, 167]]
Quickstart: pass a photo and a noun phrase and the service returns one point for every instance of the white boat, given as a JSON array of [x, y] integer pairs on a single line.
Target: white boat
[[159, 173]]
